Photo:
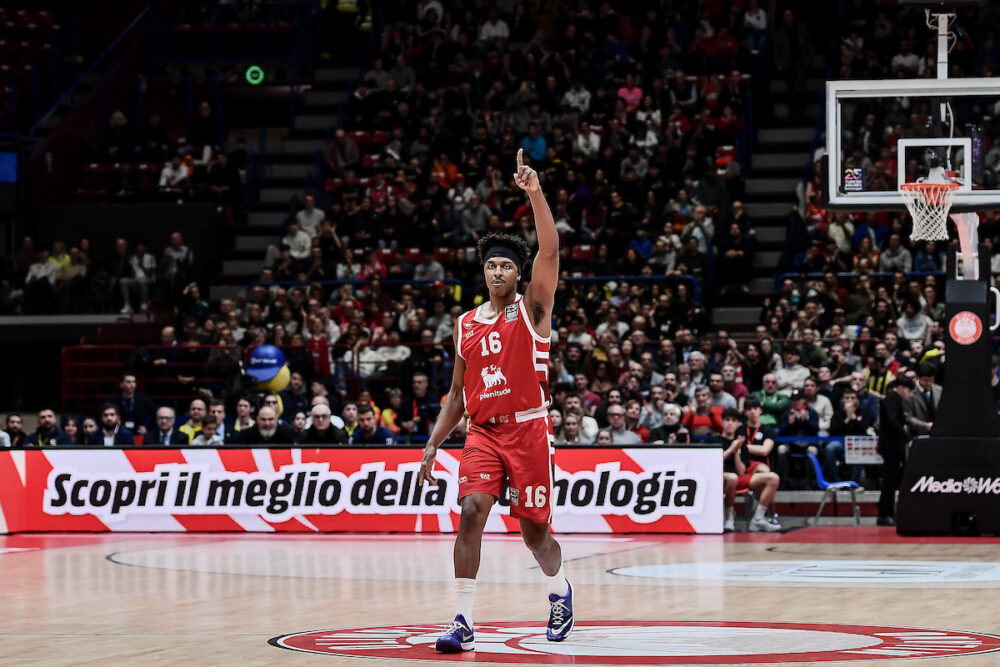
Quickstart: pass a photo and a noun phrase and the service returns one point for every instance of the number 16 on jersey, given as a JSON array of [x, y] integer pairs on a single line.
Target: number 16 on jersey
[[494, 343]]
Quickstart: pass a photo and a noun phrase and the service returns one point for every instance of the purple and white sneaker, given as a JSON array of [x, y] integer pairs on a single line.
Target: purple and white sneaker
[[560, 616], [458, 637]]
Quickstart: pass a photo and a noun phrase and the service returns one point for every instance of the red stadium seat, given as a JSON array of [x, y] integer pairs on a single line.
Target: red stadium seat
[[361, 137], [413, 255], [444, 255], [332, 184], [379, 138], [371, 160], [583, 252], [386, 255]]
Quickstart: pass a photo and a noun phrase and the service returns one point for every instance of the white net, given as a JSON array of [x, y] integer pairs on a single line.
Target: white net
[[928, 204]]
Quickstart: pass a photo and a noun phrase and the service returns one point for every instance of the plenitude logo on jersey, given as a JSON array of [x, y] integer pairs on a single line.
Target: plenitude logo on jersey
[[650, 643], [492, 377]]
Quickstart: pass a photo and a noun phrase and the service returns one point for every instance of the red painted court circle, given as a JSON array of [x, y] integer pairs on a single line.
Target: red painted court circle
[[650, 643]]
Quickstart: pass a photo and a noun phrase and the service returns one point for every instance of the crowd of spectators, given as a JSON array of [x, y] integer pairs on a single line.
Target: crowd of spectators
[[159, 162], [84, 279], [626, 133]]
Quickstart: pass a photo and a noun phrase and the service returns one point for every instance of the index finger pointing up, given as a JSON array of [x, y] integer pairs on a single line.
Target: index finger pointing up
[[520, 160]]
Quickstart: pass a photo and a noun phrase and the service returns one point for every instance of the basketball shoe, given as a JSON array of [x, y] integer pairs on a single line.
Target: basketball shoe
[[560, 616], [458, 637]]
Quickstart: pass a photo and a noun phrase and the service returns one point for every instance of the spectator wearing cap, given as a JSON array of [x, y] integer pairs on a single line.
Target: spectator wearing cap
[[111, 433], [893, 438], [798, 420], [793, 375], [48, 433]]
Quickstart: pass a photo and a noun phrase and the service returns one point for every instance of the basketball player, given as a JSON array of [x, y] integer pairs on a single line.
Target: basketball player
[[501, 379]]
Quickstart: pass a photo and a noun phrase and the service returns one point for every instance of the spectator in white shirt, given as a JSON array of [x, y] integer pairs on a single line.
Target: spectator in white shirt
[[143, 272], [588, 142], [577, 98], [298, 241], [174, 176], [494, 33], [460, 195], [40, 284], [310, 217]]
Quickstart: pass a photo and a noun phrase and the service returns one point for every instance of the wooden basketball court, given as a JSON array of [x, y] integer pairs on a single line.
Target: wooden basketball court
[[219, 598]]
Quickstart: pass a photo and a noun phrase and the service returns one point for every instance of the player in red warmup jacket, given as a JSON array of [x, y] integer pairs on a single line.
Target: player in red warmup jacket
[[501, 380]]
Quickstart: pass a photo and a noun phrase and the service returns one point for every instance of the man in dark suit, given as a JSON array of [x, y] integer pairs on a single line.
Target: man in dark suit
[[111, 433], [922, 406], [165, 433], [322, 432], [893, 437], [135, 409], [266, 431]]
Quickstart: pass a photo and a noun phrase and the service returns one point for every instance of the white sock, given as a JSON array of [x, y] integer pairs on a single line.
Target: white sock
[[557, 583], [758, 514], [465, 594], [730, 514]]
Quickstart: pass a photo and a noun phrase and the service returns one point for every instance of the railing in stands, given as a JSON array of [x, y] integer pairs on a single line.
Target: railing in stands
[[781, 277], [104, 62], [691, 280]]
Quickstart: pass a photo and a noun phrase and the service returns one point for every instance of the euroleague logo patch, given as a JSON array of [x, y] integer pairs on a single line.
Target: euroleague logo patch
[[649, 643], [965, 328]]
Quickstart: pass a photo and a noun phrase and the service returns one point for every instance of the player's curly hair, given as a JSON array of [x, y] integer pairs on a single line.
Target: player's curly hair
[[515, 243]]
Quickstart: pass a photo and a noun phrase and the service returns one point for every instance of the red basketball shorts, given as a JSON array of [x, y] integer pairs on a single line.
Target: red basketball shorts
[[520, 452], [743, 481]]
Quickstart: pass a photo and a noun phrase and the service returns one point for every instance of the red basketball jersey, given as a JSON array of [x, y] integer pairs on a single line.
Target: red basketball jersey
[[506, 365]]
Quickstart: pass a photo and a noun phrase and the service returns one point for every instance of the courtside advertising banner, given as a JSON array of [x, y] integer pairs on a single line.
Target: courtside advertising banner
[[655, 490]]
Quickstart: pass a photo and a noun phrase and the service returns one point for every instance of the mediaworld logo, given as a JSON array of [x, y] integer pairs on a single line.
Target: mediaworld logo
[[970, 485]]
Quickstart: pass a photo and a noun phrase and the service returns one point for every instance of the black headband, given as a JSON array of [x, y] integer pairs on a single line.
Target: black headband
[[505, 251]]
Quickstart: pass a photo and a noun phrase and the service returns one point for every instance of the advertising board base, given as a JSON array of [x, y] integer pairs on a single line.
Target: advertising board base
[[951, 486]]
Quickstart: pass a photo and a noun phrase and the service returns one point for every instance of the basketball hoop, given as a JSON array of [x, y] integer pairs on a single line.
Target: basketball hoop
[[928, 204]]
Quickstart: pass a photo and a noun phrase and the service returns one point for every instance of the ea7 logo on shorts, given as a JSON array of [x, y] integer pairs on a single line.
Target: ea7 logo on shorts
[[463, 479], [493, 375], [515, 497], [484, 475]]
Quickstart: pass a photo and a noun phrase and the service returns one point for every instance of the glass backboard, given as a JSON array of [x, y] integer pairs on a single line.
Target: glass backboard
[[882, 133]]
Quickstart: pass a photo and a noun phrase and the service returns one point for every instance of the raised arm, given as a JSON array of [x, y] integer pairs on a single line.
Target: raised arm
[[540, 294]]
